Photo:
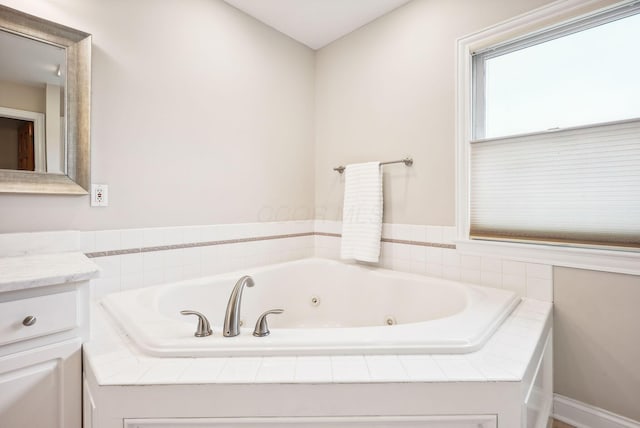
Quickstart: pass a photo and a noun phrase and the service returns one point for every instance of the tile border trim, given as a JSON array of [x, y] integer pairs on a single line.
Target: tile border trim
[[419, 243], [193, 245], [108, 253], [398, 241]]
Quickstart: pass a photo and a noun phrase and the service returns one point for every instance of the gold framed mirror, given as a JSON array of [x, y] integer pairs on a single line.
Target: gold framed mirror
[[60, 157]]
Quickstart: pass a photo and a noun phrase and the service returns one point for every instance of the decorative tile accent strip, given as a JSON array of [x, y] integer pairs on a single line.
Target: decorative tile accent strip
[[332, 235], [252, 239], [398, 241], [423, 244], [192, 245]]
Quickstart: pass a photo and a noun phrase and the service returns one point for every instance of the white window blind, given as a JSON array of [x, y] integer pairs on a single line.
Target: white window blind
[[578, 182], [575, 186]]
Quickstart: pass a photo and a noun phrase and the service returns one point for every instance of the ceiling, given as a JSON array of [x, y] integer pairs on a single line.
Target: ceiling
[[316, 23], [32, 62]]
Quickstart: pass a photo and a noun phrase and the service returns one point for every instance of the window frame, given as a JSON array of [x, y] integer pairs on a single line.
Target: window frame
[[550, 20], [480, 56]]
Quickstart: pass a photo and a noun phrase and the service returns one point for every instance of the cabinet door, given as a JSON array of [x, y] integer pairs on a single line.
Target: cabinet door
[[41, 387]]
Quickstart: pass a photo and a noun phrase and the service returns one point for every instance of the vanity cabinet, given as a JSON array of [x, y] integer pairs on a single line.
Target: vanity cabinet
[[40, 387], [32, 317], [41, 335], [43, 323]]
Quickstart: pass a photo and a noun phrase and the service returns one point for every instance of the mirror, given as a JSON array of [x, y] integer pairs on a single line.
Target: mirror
[[44, 106], [32, 97]]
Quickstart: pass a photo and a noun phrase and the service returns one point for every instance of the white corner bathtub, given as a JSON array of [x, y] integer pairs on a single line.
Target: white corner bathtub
[[329, 308]]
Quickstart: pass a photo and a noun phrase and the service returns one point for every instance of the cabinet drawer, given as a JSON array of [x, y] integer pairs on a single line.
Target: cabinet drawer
[[53, 313]]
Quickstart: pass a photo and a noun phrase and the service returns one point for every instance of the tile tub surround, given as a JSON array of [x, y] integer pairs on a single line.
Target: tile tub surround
[[430, 250], [494, 380], [133, 258], [24, 244]]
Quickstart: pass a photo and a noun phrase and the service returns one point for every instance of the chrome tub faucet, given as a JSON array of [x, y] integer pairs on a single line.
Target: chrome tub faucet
[[232, 316], [204, 328]]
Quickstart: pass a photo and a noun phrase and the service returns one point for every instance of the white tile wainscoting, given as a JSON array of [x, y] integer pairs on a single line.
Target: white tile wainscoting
[[133, 258], [431, 250], [220, 248]]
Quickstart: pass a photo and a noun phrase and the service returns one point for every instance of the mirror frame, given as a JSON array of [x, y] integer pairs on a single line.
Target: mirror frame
[[77, 46]]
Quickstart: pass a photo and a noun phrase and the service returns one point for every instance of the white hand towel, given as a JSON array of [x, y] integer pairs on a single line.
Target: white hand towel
[[362, 212]]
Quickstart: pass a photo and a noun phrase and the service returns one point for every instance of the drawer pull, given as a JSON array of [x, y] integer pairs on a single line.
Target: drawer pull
[[29, 321]]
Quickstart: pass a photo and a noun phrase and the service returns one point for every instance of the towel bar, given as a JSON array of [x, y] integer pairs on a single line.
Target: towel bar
[[407, 161]]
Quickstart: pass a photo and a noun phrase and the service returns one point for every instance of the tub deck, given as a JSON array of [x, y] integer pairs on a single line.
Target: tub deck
[[507, 383], [115, 360]]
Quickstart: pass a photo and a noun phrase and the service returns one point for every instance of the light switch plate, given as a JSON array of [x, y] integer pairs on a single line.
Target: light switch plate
[[99, 195]]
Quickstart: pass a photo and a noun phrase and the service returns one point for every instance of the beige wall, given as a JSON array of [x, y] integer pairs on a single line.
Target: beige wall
[[386, 91], [22, 97], [233, 94], [596, 343], [239, 98]]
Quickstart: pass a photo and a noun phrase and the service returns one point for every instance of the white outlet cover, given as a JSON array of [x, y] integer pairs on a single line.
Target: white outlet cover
[[99, 195]]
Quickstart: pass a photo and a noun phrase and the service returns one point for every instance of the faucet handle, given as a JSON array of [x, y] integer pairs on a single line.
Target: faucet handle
[[262, 329], [204, 328]]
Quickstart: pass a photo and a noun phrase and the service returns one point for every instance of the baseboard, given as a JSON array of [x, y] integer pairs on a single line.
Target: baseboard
[[583, 415]]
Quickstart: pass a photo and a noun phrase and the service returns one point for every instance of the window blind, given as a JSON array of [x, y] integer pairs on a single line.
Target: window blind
[[578, 186]]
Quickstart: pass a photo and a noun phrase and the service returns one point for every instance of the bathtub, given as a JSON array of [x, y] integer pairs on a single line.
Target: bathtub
[[329, 308]]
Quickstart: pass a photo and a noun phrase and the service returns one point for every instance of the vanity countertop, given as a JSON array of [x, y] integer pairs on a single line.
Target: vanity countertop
[[20, 273]]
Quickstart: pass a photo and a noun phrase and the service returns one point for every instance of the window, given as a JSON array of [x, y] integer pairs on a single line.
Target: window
[[555, 150]]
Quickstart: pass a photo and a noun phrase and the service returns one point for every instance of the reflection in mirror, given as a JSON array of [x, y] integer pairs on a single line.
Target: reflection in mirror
[[45, 87], [32, 95]]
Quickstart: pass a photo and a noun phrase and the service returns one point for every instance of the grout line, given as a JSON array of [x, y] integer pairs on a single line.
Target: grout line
[[108, 253]]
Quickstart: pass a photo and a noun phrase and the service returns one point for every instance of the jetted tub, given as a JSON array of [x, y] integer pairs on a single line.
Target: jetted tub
[[329, 308]]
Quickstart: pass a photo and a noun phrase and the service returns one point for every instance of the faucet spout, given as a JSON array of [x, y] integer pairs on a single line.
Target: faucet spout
[[232, 316]]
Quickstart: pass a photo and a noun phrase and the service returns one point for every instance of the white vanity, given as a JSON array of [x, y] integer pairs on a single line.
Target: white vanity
[[43, 323]]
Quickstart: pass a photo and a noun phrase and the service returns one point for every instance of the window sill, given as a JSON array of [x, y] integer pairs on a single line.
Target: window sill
[[626, 262]]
